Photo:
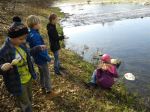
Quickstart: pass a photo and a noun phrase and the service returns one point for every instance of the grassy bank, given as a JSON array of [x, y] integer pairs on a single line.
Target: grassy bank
[[72, 96]]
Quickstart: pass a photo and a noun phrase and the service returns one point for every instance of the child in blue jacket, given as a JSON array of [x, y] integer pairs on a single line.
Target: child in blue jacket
[[42, 58]]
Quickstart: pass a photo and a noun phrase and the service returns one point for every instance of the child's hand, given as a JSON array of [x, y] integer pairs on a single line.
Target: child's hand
[[15, 61], [52, 62], [6, 66], [43, 47]]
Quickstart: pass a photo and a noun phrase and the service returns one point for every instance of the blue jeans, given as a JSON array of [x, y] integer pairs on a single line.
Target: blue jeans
[[93, 78], [56, 62], [45, 77]]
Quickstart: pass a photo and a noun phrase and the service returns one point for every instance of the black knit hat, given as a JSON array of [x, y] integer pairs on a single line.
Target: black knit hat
[[17, 30], [16, 19]]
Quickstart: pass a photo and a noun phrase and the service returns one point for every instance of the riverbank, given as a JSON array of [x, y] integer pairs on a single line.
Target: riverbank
[[72, 96]]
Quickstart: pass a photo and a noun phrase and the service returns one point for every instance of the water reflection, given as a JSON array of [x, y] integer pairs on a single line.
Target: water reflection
[[128, 40]]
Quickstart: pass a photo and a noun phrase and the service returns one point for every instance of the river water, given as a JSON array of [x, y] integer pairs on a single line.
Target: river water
[[93, 25]]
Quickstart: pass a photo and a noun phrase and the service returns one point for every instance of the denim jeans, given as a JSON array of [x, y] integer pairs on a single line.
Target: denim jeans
[[93, 78], [56, 62], [45, 77]]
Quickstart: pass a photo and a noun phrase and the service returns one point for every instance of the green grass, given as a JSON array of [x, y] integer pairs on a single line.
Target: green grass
[[72, 94], [118, 100]]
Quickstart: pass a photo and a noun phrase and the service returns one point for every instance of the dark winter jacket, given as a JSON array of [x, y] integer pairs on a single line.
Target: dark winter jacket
[[54, 38], [12, 77]]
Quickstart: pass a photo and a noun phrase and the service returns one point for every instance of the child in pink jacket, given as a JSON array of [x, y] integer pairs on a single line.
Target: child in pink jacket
[[104, 75]]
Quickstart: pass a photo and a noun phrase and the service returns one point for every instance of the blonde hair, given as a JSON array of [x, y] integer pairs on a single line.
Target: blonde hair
[[32, 20], [104, 66]]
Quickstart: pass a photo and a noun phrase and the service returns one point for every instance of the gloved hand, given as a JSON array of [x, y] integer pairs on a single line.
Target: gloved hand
[[6, 67]]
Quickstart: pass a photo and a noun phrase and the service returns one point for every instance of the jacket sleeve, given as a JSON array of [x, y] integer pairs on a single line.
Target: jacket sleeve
[[35, 50], [53, 34], [2, 61], [113, 71], [36, 40], [98, 73], [61, 37], [1, 72], [115, 74]]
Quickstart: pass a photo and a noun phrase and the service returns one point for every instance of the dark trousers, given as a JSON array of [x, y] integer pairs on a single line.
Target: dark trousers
[[25, 100]]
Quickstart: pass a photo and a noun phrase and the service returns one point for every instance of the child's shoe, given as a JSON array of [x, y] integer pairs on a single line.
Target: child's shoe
[[91, 85], [62, 68], [58, 73], [51, 94]]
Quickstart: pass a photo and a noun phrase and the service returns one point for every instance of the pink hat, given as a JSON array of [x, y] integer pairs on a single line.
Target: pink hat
[[106, 58]]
